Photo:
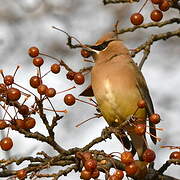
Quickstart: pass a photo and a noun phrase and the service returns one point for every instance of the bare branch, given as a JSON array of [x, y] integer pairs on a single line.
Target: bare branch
[[148, 25], [118, 1]]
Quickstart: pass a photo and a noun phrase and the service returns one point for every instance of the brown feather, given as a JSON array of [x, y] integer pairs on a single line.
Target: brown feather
[[88, 92], [141, 84]]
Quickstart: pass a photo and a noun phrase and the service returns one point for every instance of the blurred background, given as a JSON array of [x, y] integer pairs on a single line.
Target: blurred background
[[29, 23]]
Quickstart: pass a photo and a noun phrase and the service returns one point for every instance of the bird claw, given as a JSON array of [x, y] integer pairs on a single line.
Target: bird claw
[[106, 133], [131, 119]]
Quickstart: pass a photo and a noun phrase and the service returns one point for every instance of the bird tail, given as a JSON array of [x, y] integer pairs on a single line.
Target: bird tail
[[138, 143]]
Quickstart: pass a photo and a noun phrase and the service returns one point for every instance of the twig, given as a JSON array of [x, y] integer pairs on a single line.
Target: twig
[[61, 62], [147, 45], [118, 1], [69, 43], [148, 25], [167, 164]]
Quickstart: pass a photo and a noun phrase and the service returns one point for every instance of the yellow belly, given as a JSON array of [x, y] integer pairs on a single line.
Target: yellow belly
[[118, 104]]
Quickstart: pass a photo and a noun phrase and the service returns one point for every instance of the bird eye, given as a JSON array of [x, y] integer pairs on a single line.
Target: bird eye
[[101, 46]]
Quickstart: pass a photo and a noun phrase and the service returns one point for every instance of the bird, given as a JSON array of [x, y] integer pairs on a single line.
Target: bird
[[118, 84]]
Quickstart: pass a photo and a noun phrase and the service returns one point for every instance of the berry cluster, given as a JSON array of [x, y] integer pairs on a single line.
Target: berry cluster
[[76, 76], [90, 166], [140, 125], [156, 15], [134, 167], [12, 94]]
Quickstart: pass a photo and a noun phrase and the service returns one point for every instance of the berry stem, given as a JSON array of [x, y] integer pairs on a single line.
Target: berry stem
[[16, 70], [158, 139], [135, 111], [52, 106], [2, 74], [145, 141], [171, 147], [160, 129], [43, 54], [5, 109], [39, 72], [93, 101], [86, 60], [143, 6], [86, 120], [86, 102], [64, 111], [66, 90], [26, 89], [46, 74], [61, 62]]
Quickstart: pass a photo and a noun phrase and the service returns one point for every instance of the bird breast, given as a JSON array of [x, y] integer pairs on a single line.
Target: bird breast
[[114, 87]]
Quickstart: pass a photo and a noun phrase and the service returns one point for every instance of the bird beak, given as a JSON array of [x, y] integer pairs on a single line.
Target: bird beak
[[90, 49]]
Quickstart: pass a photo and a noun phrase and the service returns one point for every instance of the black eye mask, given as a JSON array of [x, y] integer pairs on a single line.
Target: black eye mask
[[101, 46]]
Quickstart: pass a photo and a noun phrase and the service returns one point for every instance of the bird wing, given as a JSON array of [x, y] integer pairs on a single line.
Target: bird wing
[[142, 87], [87, 92]]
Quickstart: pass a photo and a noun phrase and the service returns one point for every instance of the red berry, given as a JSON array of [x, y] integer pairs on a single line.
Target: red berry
[[164, 6], [140, 129], [50, 92], [113, 177], [33, 51], [175, 155], [13, 94], [79, 78], [69, 99], [95, 174], [149, 155], [85, 53], [18, 123], [119, 174], [87, 156], [90, 165], [137, 19], [86, 175], [35, 81], [3, 88], [141, 104], [6, 143], [127, 157], [156, 1], [38, 61], [21, 174], [8, 80], [55, 68], [42, 89], [29, 122], [23, 109], [131, 169], [70, 75], [156, 15], [3, 124], [155, 118]]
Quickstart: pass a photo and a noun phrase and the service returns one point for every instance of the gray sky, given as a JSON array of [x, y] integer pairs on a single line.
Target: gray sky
[[28, 23]]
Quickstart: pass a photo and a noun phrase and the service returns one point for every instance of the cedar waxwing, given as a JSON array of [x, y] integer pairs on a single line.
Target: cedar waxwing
[[118, 85]]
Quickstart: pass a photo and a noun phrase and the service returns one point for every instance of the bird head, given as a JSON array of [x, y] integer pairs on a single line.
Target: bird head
[[107, 47]]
